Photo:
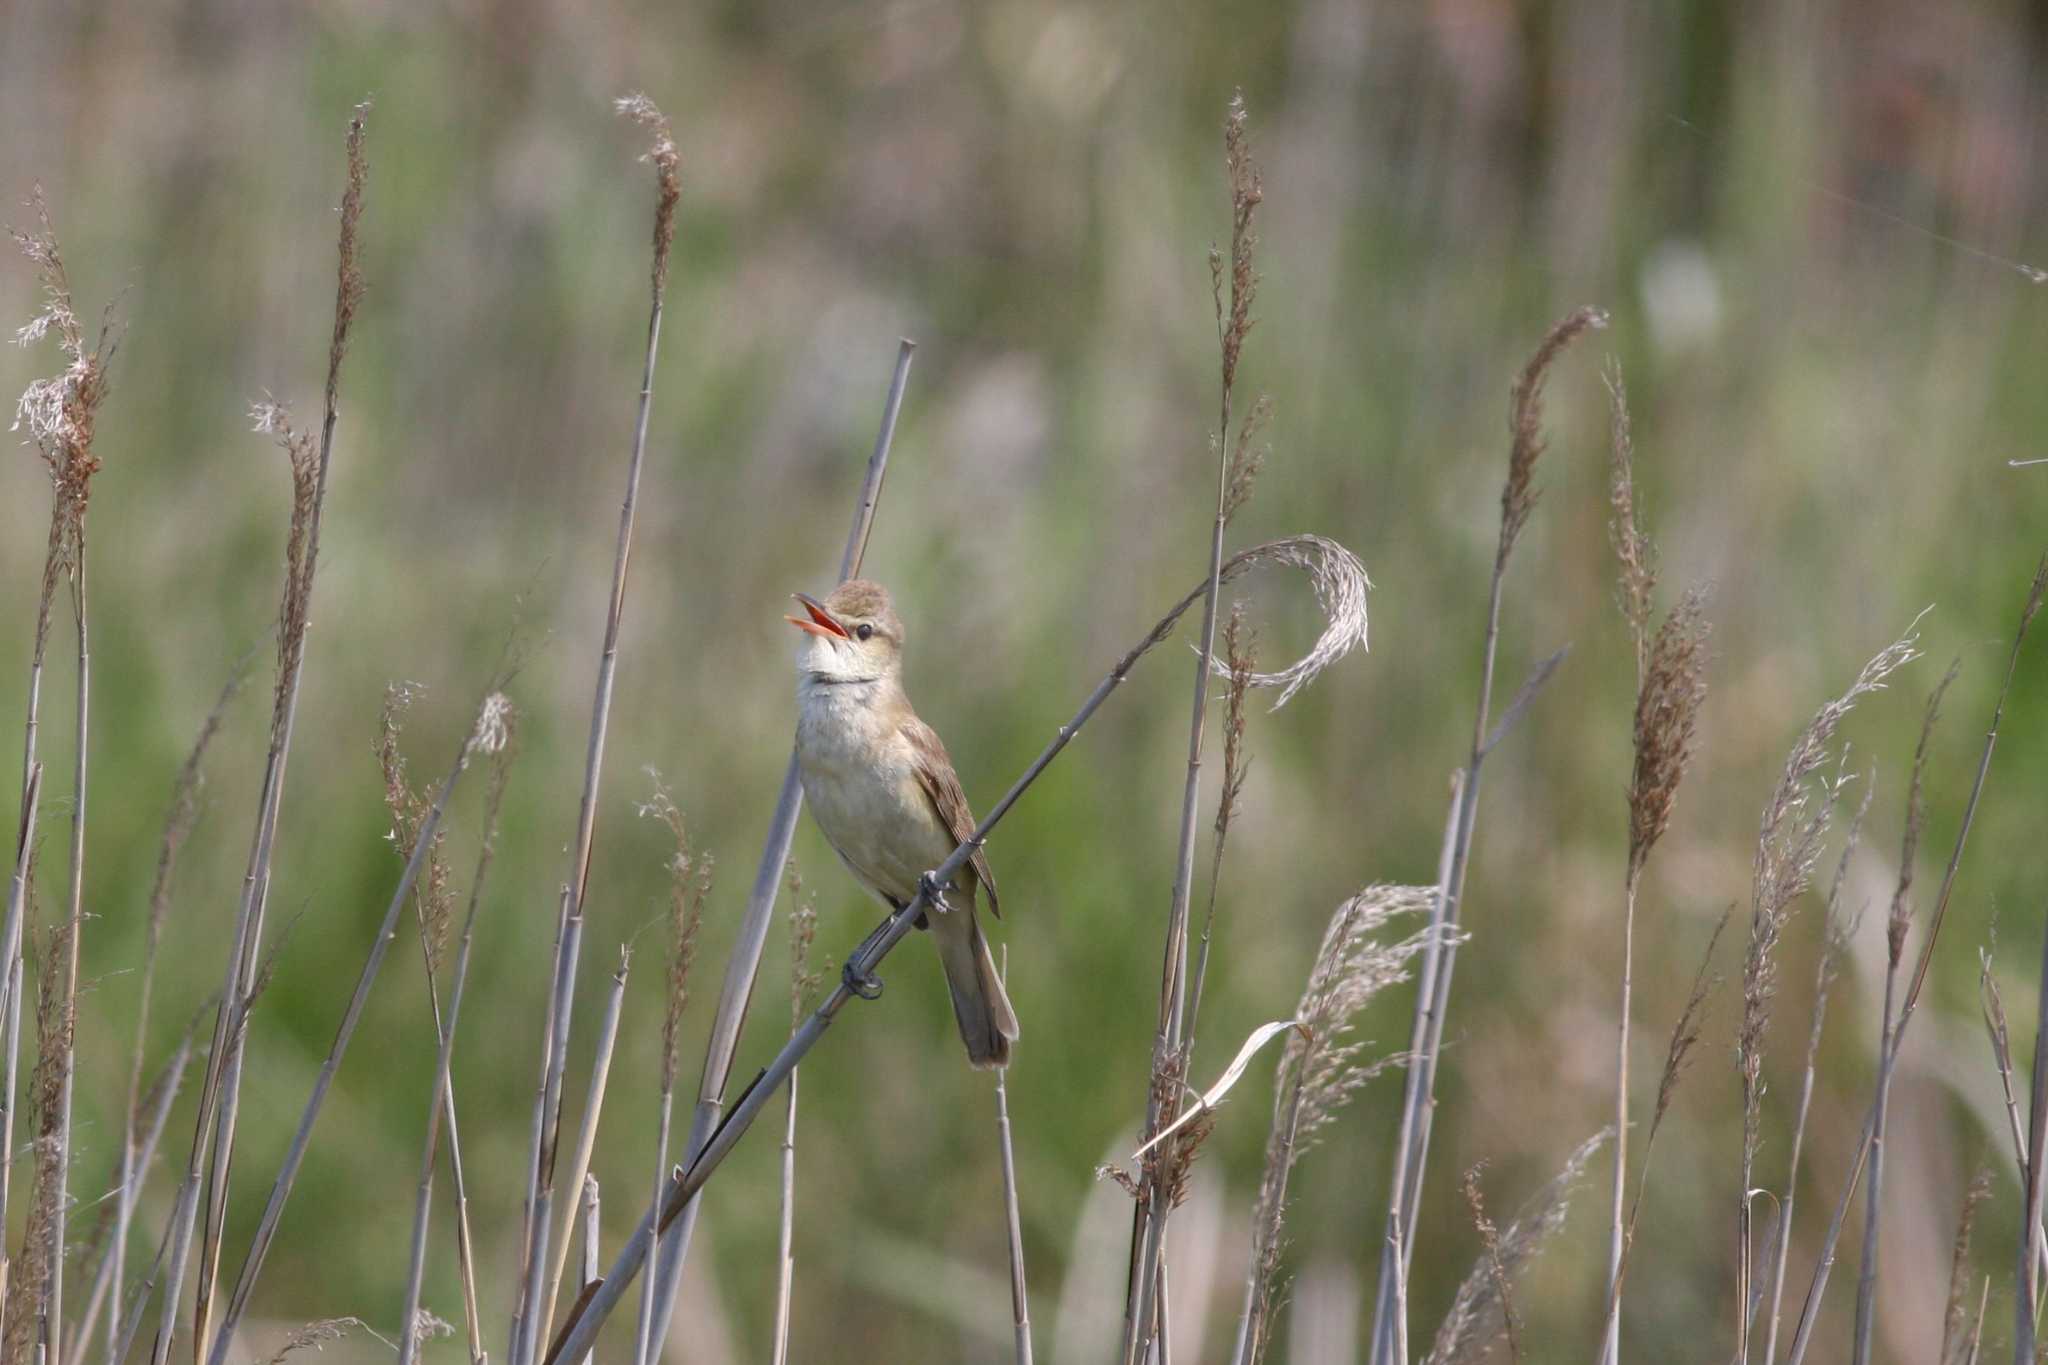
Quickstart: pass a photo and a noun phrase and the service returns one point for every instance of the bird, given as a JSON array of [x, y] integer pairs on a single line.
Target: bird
[[883, 791]]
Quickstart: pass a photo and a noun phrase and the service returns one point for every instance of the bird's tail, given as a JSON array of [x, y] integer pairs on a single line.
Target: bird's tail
[[987, 1023]]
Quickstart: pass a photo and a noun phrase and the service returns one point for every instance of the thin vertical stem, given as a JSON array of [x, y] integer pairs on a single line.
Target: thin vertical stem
[[2026, 1302], [1610, 1349], [443, 1102], [54, 1292], [219, 1093], [10, 985], [1020, 1298], [586, 1136], [591, 1232], [1866, 1280], [736, 992], [785, 1258], [295, 1154]]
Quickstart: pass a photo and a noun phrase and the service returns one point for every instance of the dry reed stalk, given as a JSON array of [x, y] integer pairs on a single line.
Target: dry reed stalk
[[1897, 922], [1954, 1342], [29, 1324], [434, 904], [1020, 1295], [178, 823], [689, 888], [1489, 1242], [138, 1298], [221, 1085], [486, 735], [586, 1133], [736, 990], [1240, 656], [803, 987], [2001, 1053], [528, 1333], [1838, 928], [1685, 1037], [2026, 1303], [1320, 1070], [10, 980], [546, 1131], [2001, 1058], [1338, 582], [1169, 1049], [60, 414], [501, 750], [1794, 824], [1433, 986], [592, 1230], [1809, 1310], [152, 1113], [1670, 689], [1478, 1301], [1977, 1332]]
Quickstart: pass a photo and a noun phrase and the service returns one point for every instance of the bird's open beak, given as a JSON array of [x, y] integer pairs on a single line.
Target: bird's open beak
[[821, 622]]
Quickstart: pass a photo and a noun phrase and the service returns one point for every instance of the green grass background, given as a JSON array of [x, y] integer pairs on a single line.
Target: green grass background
[[1804, 225]]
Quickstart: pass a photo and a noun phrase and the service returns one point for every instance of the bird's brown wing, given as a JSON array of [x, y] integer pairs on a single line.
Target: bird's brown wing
[[935, 773]]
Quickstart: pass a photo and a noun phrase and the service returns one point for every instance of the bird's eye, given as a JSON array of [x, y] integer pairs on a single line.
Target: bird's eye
[[864, 630]]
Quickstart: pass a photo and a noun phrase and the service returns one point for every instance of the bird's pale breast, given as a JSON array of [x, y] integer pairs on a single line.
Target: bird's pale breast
[[860, 779]]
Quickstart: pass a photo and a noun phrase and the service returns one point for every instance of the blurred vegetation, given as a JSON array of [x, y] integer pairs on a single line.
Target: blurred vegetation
[[1806, 222]]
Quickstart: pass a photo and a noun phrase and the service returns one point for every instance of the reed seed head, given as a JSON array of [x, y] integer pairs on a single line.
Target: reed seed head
[[1525, 425], [667, 162], [1673, 685]]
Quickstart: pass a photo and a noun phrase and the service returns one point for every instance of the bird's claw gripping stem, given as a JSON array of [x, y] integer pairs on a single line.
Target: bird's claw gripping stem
[[934, 896], [857, 979]]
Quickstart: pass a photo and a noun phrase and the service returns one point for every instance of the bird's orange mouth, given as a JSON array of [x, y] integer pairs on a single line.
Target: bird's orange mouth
[[822, 622]]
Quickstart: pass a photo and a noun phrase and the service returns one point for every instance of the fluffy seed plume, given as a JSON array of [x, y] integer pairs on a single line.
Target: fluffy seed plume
[[1632, 548], [317, 1335], [1789, 836], [1321, 1066], [1525, 425], [1240, 658], [1248, 454], [433, 893], [349, 284], [1900, 916], [1954, 1341], [689, 886], [60, 412], [1489, 1242], [272, 418], [1247, 192], [1339, 583], [667, 162], [1468, 1328], [1673, 687]]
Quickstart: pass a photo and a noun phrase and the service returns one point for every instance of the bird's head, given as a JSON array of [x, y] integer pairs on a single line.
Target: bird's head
[[852, 636]]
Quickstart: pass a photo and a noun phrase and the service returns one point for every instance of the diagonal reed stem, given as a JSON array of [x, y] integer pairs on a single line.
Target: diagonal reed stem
[[736, 993], [10, 979], [443, 1101], [1020, 1298], [586, 1136], [220, 1089], [530, 1324], [295, 1154], [2026, 1301], [1311, 553], [1433, 987], [1809, 1310]]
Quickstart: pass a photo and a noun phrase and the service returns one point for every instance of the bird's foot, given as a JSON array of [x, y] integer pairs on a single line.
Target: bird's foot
[[934, 895], [857, 979]]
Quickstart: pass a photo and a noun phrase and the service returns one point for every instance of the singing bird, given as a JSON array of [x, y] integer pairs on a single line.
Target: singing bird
[[882, 789]]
